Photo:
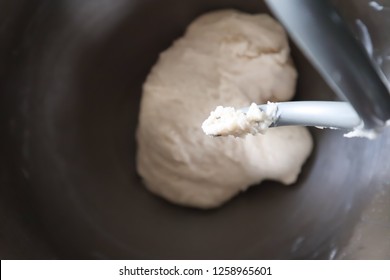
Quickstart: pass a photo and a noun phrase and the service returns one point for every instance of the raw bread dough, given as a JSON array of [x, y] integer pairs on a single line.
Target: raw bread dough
[[225, 58], [225, 121]]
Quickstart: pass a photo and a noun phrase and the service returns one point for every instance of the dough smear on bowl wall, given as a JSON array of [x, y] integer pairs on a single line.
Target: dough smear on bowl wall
[[225, 58]]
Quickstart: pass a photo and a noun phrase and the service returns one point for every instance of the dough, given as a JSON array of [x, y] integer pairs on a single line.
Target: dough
[[225, 58], [225, 121]]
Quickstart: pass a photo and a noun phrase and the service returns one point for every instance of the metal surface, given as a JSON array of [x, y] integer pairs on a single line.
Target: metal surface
[[71, 78], [323, 36], [325, 114]]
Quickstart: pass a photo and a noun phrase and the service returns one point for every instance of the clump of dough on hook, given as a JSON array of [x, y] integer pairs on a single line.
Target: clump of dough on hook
[[225, 121]]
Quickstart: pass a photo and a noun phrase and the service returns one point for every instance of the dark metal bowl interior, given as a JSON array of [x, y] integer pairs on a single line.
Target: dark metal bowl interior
[[71, 93]]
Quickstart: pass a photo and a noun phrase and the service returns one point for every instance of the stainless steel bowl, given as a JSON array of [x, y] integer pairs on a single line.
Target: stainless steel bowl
[[71, 77]]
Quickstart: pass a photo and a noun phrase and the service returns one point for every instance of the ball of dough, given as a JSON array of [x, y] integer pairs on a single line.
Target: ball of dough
[[225, 58]]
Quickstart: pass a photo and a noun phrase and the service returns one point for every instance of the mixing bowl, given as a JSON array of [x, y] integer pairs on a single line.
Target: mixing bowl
[[71, 78]]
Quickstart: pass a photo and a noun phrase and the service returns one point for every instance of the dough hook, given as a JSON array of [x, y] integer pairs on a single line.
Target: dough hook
[[322, 35], [324, 114]]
